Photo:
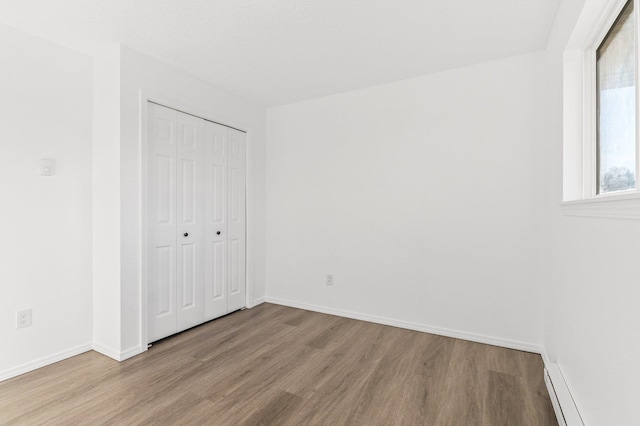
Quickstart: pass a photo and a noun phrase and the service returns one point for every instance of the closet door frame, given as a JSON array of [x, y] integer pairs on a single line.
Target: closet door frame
[[146, 97]]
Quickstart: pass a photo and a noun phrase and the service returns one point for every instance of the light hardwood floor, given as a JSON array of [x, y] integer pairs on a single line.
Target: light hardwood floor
[[279, 365]]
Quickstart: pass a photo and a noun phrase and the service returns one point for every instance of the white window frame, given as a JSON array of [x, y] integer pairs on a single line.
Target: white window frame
[[580, 195]]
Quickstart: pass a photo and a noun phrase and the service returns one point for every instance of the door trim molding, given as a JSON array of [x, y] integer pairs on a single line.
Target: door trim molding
[[146, 96]]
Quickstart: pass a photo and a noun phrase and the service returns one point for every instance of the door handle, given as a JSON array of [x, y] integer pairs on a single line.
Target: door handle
[[218, 233], [186, 234]]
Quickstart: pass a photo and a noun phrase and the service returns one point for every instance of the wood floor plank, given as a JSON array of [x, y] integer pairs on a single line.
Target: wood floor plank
[[464, 386], [275, 410], [41, 388], [504, 400], [538, 407], [257, 387], [504, 360], [275, 365], [410, 379], [122, 394], [332, 402], [184, 409], [342, 354], [300, 318]]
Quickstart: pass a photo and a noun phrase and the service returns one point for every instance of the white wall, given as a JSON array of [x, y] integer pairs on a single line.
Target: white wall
[[189, 94], [45, 245], [422, 197], [592, 314], [106, 199], [86, 291]]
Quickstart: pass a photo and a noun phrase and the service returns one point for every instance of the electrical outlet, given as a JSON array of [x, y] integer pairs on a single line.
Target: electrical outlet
[[23, 318], [329, 279]]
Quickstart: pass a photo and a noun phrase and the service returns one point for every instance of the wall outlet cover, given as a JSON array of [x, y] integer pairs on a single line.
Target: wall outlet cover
[[23, 318]]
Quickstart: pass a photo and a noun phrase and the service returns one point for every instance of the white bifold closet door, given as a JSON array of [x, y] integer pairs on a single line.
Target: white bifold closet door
[[195, 221]]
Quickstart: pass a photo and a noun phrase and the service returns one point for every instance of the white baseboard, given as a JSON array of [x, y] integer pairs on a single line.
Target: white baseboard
[[131, 352], [106, 351], [564, 406], [257, 302], [473, 337], [117, 355], [44, 361]]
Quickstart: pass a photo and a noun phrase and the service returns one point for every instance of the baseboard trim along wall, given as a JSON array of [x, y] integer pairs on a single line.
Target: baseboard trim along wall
[[473, 337], [564, 406], [42, 362], [131, 353], [106, 351], [116, 355], [257, 302]]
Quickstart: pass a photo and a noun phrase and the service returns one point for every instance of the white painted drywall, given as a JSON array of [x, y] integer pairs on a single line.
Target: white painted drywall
[[592, 313], [45, 247], [106, 199], [422, 198], [140, 72]]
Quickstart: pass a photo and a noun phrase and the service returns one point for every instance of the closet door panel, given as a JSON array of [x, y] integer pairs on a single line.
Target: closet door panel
[[161, 218], [215, 220], [236, 222], [190, 223], [196, 209]]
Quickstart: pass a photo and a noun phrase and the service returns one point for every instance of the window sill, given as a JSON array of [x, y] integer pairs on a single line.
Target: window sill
[[621, 206]]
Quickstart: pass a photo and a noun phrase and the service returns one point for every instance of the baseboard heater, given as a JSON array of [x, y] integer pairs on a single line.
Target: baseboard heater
[[563, 404]]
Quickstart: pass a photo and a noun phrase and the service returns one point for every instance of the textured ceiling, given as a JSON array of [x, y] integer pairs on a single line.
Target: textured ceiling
[[274, 52]]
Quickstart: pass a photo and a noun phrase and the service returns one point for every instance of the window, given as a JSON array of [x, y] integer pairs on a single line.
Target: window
[[600, 112], [616, 106]]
